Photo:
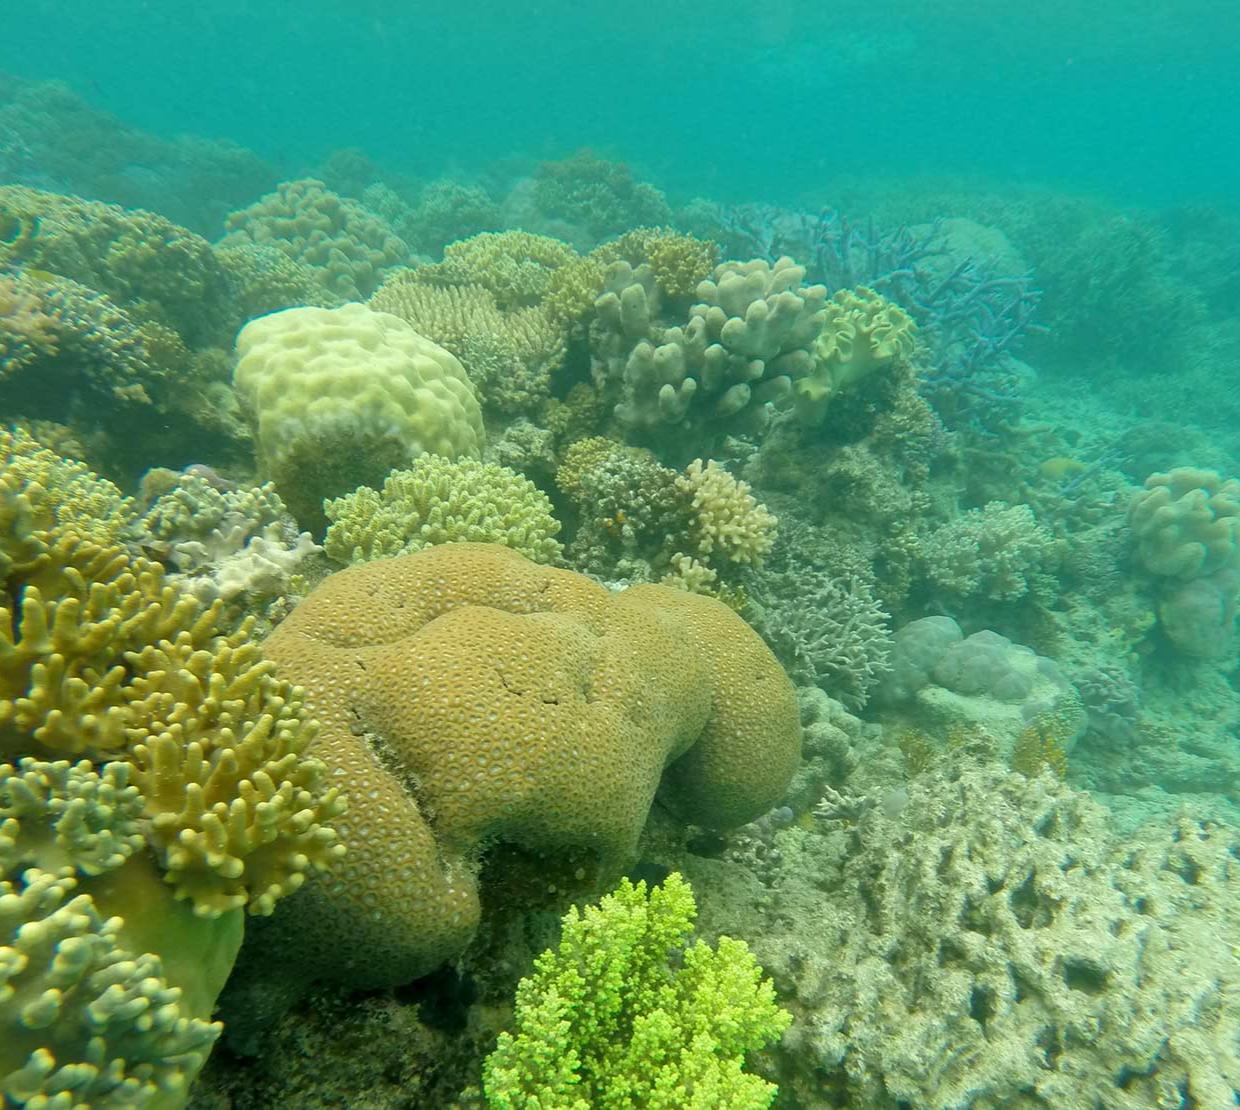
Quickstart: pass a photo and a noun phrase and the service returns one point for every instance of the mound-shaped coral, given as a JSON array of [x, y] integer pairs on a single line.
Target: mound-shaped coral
[[349, 247], [438, 500], [468, 696], [1187, 528], [339, 397]]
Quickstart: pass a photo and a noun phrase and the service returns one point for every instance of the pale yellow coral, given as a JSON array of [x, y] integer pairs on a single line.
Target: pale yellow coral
[[862, 332], [729, 523], [516, 266], [510, 356]]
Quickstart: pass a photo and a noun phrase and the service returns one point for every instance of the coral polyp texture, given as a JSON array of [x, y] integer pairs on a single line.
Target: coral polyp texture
[[469, 696], [349, 248], [992, 941], [339, 397]]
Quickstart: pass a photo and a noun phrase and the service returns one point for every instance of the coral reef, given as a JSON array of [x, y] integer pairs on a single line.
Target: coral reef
[[350, 248], [994, 939], [124, 873], [438, 500], [509, 356], [532, 707], [516, 266], [341, 396], [623, 1013]]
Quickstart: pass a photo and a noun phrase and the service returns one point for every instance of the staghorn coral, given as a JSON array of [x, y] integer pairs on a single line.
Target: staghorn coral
[[862, 333], [350, 248], [437, 501], [339, 397], [623, 1013], [509, 356], [516, 266], [532, 707]]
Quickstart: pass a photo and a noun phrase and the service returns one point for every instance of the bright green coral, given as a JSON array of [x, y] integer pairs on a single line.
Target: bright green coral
[[441, 501], [622, 1015]]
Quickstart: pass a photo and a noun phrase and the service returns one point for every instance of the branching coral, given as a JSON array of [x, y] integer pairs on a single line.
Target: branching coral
[[624, 1013], [516, 266], [999, 552], [729, 524], [509, 356], [440, 501]]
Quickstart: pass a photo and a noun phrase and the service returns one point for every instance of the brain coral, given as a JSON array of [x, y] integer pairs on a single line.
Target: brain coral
[[466, 696], [341, 396]]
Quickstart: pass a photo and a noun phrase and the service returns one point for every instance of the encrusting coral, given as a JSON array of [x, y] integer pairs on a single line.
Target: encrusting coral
[[439, 500], [992, 940], [623, 1014], [186, 800], [471, 696], [339, 397]]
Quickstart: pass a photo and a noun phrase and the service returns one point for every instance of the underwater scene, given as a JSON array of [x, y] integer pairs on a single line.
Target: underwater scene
[[635, 557]]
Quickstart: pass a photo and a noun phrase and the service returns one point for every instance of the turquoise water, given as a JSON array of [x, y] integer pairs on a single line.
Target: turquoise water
[[741, 101], [636, 556]]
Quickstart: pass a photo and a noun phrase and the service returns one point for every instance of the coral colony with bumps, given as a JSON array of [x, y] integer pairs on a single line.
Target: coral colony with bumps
[[529, 642]]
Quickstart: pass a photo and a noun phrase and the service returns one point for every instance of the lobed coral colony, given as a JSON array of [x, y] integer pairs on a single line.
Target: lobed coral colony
[[401, 580]]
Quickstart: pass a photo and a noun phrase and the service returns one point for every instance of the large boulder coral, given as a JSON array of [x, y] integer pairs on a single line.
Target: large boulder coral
[[468, 696], [339, 397]]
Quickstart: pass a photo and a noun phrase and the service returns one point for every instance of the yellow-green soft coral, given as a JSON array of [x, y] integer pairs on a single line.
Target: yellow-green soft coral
[[440, 501], [622, 1015], [861, 333]]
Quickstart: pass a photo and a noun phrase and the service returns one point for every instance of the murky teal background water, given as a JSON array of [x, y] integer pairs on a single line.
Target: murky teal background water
[[738, 100]]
